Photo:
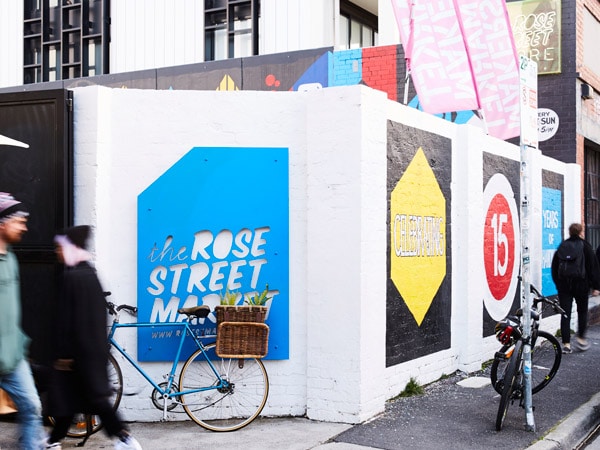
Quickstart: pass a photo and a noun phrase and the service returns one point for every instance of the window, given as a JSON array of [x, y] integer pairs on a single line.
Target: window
[[358, 27], [592, 193], [64, 39], [230, 28]]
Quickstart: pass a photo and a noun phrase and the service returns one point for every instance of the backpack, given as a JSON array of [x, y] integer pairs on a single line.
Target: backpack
[[571, 261]]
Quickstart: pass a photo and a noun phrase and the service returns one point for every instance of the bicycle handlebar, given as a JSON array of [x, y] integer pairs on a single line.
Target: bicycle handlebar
[[552, 302], [113, 309]]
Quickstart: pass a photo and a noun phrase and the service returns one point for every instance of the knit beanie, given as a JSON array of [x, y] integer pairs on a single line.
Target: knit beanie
[[9, 207], [78, 235]]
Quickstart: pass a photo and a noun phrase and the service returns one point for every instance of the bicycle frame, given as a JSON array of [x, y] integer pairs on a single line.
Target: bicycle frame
[[221, 393], [185, 331], [511, 360]]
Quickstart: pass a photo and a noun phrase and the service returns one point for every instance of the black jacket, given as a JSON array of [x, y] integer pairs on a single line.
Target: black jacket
[[592, 271], [81, 336]]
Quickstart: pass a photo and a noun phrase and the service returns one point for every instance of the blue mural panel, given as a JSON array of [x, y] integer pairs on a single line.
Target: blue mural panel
[[347, 68], [316, 74], [551, 234], [217, 219]]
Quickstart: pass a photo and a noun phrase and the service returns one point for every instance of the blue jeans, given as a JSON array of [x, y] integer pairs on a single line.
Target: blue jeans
[[20, 386]]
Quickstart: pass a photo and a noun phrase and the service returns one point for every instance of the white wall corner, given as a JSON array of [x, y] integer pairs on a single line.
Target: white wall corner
[[334, 233], [467, 242], [535, 219], [373, 261], [572, 200]]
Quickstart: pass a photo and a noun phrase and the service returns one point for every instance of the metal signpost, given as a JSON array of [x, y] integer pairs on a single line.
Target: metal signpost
[[529, 140]]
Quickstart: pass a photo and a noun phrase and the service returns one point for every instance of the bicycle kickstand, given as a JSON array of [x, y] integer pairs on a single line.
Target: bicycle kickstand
[[88, 430]]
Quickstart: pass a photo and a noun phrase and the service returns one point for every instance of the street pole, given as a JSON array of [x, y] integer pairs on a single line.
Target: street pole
[[529, 141]]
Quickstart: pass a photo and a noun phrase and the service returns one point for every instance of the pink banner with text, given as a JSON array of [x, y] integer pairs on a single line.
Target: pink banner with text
[[461, 56]]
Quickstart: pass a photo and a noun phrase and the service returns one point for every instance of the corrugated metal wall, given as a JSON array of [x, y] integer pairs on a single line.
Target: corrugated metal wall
[[147, 34]]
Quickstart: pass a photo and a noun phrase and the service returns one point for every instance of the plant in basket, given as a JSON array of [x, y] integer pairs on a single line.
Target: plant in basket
[[229, 298], [254, 309], [258, 299], [241, 331]]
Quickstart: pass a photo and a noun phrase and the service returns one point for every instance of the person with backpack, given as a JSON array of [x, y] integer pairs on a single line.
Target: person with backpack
[[575, 269]]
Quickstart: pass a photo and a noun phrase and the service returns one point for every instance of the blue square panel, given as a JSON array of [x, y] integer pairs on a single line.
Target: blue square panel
[[217, 219]]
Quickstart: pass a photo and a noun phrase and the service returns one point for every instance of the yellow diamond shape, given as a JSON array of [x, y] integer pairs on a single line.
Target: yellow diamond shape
[[227, 84], [418, 236]]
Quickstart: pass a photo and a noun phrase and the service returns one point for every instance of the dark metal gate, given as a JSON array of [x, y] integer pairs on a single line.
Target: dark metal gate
[[41, 177], [592, 194]]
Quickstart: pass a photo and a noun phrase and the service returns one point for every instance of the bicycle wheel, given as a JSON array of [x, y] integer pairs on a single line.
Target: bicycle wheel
[[226, 408], [510, 381], [85, 424], [546, 355]]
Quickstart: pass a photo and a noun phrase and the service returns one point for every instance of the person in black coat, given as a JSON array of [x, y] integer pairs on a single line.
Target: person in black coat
[[578, 289], [80, 378]]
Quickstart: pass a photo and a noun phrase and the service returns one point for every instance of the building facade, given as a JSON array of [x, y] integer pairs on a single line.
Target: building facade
[[48, 40], [346, 137]]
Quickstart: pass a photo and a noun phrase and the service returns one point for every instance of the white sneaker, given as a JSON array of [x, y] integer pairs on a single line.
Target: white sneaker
[[45, 443], [130, 443], [582, 344]]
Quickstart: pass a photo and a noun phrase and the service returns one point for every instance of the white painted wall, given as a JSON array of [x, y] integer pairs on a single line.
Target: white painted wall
[[11, 43], [126, 138]]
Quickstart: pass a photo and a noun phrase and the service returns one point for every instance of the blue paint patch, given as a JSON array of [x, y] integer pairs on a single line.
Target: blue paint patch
[[551, 235], [218, 218], [347, 68], [317, 73], [458, 117]]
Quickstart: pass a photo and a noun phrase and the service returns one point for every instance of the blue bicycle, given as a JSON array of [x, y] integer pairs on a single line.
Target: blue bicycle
[[219, 394]]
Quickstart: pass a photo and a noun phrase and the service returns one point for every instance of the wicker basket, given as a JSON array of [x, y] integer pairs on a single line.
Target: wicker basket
[[247, 313], [242, 340]]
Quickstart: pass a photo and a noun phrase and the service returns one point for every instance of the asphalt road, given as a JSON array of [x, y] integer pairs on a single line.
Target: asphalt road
[[450, 416]]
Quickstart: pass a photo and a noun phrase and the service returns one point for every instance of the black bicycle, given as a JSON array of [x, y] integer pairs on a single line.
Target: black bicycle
[[506, 373]]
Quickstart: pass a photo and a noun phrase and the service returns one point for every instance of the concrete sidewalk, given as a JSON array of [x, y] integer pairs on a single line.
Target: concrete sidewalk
[[452, 414], [276, 433]]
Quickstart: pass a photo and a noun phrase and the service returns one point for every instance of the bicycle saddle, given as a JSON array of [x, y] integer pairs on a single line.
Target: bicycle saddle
[[201, 311]]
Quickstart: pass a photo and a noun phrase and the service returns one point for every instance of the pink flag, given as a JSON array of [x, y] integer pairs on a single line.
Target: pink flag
[[491, 48], [436, 55], [461, 55]]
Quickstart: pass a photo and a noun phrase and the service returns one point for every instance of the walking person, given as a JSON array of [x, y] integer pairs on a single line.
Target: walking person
[[15, 372], [80, 379], [575, 270]]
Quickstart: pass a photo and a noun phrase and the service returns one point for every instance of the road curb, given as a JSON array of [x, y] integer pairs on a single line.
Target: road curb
[[573, 429]]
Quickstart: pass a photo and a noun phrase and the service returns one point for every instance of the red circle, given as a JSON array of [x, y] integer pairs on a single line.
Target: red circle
[[270, 80], [499, 233]]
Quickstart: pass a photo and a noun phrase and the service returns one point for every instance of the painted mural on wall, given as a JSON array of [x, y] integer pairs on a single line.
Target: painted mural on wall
[[552, 225], [419, 260], [501, 238], [382, 68], [217, 219]]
